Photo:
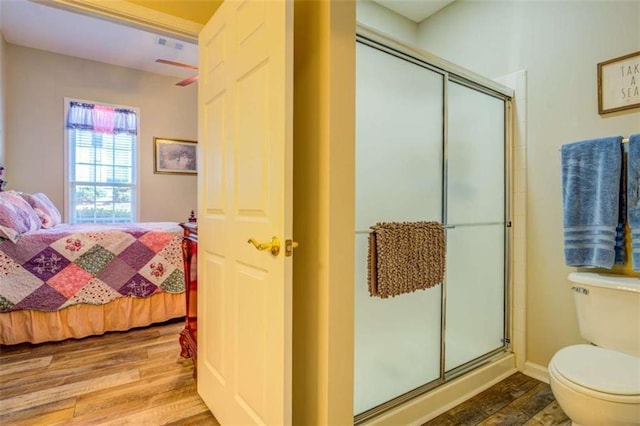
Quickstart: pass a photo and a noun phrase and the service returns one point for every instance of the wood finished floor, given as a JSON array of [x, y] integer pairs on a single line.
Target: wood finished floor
[[123, 378], [517, 400], [138, 378]]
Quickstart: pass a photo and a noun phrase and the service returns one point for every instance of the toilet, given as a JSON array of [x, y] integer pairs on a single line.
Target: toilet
[[599, 383]]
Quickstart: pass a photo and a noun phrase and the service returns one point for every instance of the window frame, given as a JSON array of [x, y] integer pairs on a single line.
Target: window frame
[[67, 160]]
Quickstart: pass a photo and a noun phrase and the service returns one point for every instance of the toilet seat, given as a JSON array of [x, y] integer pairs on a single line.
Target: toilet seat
[[598, 372]]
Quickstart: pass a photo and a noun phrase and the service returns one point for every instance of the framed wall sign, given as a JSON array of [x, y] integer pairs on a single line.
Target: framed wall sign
[[619, 83], [174, 156]]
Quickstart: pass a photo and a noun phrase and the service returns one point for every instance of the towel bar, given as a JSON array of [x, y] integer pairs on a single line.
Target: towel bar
[[624, 140], [368, 231]]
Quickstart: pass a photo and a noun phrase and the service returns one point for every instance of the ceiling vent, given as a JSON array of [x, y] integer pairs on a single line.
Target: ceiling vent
[[167, 42]]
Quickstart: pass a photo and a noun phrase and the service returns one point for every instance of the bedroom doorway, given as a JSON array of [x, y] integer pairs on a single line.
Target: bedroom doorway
[[324, 217]]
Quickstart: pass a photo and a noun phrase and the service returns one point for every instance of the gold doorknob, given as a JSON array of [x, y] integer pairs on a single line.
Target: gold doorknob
[[273, 245]]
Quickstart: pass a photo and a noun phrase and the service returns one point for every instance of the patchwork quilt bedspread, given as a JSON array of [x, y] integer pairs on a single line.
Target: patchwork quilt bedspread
[[51, 269]]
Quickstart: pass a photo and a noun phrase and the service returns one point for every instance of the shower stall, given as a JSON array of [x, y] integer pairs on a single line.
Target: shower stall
[[431, 145]]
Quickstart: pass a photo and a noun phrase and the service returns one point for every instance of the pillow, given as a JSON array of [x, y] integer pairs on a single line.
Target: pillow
[[11, 224], [47, 212], [28, 216], [15, 218]]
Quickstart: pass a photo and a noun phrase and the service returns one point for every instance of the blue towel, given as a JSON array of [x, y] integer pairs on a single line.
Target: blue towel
[[620, 247], [633, 198], [590, 198]]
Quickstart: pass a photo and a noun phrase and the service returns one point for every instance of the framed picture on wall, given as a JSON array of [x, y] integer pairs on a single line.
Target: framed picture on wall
[[174, 156], [619, 83]]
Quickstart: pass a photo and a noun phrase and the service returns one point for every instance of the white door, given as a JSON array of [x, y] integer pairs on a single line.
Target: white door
[[245, 98]]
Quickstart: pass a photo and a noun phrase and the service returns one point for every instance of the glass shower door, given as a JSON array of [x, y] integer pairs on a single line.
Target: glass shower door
[[475, 283], [399, 132]]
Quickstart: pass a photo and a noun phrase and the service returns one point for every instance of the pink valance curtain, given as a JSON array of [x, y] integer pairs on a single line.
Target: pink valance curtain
[[103, 119]]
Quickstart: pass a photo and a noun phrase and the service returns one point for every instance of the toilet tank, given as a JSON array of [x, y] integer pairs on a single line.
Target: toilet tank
[[608, 308]]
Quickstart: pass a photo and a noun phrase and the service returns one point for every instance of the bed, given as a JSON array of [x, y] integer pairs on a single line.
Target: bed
[[72, 281]]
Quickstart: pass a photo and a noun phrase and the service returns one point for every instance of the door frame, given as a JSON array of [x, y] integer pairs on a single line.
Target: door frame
[[127, 13], [324, 211]]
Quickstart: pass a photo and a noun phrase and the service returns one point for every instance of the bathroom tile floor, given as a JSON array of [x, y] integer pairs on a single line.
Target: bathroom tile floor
[[517, 400]]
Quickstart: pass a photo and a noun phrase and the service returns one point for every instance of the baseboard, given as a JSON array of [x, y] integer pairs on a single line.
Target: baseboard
[[536, 371], [448, 395]]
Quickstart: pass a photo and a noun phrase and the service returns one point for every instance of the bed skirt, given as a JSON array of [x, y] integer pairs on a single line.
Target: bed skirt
[[84, 320]]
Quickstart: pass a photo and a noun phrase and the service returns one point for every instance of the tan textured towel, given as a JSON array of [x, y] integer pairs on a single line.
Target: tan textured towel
[[405, 257]]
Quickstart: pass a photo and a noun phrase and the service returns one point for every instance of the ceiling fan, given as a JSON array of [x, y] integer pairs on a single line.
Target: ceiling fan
[[186, 81]]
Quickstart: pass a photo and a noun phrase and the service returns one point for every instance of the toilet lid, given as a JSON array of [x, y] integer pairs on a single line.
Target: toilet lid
[[599, 369]]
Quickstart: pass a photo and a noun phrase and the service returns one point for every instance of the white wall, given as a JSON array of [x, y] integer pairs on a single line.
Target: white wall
[[3, 86], [386, 21], [559, 45], [38, 82], [3, 95]]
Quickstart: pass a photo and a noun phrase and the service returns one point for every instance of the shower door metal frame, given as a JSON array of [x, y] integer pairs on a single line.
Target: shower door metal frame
[[453, 73]]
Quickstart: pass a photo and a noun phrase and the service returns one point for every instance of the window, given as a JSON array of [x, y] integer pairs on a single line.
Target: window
[[101, 163]]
